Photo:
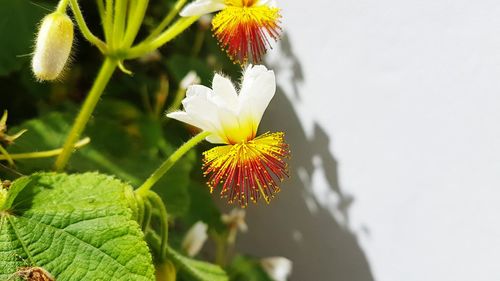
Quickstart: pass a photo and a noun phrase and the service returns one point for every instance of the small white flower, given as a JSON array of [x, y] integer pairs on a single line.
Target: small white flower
[[190, 79], [278, 268], [229, 116], [195, 238], [235, 220]]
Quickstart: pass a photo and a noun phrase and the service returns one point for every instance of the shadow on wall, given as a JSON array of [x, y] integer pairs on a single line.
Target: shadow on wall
[[305, 223]]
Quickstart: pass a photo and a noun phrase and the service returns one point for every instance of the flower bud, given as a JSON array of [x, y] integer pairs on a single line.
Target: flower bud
[[195, 238], [278, 268], [190, 79], [53, 46]]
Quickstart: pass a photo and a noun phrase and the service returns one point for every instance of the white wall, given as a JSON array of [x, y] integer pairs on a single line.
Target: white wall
[[393, 111]]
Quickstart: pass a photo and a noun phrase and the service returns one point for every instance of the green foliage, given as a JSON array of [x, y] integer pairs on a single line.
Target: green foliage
[[77, 227], [18, 22], [127, 148], [88, 226], [202, 208], [195, 269], [248, 269]]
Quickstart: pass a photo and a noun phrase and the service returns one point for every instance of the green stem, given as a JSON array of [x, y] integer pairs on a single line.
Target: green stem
[[101, 9], [61, 7], [163, 216], [42, 154], [198, 42], [119, 20], [134, 22], [220, 249], [156, 176], [179, 96], [131, 9], [169, 34], [6, 155], [107, 69], [108, 23], [167, 20], [85, 29]]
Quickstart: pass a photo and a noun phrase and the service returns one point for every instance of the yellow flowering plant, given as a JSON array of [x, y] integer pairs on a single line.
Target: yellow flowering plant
[[92, 186]]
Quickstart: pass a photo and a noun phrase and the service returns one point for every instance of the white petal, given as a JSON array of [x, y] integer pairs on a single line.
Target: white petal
[[195, 90], [253, 71], [215, 139], [202, 7], [224, 92], [259, 87], [201, 107], [183, 117], [270, 3], [201, 111]]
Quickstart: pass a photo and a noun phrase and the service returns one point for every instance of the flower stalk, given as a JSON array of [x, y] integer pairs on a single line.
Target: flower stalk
[[167, 35], [41, 154], [85, 29], [88, 107], [163, 169]]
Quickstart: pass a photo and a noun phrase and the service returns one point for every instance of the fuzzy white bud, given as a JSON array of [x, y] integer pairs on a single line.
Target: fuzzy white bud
[[53, 46], [195, 238]]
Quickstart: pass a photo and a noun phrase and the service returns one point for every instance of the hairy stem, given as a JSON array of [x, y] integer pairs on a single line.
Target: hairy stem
[[108, 23], [6, 156], [61, 7], [169, 34], [163, 216], [167, 20], [119, 20], [160, 172], [85, 29], [107, 69], [134, 22], [42, 154]]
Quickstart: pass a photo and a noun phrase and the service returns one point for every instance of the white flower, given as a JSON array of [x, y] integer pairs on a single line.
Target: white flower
[[244, 28], [278, 268], [203, 7], [235, 221], [247, 167], [195, 238], [230, 117]]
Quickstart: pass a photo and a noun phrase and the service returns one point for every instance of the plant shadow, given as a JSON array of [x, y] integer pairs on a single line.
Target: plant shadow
[[307, 222]]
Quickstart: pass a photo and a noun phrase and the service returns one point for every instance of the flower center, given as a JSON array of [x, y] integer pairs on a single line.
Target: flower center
[[246, 32], [248, 171]]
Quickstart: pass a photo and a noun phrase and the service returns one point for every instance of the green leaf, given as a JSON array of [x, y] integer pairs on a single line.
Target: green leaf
[[131, 150], [14, 190], [197, 270], [248, 269], [77, 227], [18, 21]]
